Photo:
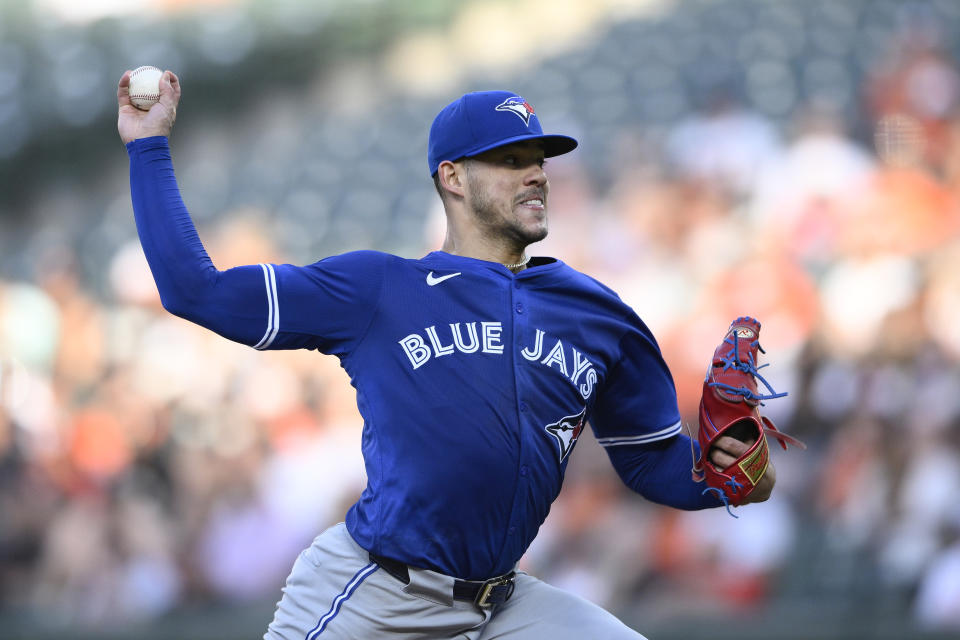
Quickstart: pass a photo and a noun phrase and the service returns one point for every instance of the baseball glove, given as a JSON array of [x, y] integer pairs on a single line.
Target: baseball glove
[[730, 406]]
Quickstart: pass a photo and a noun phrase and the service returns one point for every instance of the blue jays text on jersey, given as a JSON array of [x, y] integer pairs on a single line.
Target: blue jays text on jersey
[[417, 350], [474, 383]]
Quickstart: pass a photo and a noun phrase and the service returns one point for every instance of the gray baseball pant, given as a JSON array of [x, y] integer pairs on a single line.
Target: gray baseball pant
[[336, 592]]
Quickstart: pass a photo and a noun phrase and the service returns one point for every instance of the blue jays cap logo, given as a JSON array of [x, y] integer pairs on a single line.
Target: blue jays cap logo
[[518, 106], [567, 430]]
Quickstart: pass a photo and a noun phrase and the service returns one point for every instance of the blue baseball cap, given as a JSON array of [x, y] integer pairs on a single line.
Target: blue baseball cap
[[483, 120]]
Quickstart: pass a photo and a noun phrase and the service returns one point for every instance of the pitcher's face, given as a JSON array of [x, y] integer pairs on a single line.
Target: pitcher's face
[[506, 190]]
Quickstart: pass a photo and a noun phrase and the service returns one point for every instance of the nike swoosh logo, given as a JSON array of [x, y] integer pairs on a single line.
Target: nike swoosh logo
[[433, 280]]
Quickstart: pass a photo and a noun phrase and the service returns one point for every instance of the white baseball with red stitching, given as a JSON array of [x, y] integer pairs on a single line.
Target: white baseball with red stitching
[[145, 87]]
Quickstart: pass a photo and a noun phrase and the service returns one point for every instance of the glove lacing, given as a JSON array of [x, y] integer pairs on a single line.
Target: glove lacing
[[732, 361]]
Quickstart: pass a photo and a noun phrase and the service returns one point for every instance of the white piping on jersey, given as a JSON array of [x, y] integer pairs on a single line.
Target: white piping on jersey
[[273, 307], [647, 437]]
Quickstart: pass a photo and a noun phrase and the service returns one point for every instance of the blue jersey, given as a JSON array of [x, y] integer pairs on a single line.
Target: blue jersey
[[474, 383]]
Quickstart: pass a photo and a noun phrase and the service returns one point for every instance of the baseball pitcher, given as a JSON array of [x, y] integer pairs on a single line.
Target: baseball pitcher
[[476, 369]]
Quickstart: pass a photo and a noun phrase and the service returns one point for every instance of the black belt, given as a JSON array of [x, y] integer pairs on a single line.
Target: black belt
[[484, 593]]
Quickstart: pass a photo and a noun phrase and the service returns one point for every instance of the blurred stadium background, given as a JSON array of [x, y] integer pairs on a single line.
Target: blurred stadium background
[[797, 160]]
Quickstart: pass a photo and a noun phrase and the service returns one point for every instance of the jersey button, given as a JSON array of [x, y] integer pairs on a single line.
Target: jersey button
[[519, 307], [523, 470], [516, 284], [512, 530], [523, 407]]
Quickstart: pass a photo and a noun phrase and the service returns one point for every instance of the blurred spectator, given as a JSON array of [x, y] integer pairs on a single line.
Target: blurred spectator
[[726, 144]]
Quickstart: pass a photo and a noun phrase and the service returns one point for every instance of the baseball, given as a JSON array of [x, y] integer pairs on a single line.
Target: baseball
[[145, 87]]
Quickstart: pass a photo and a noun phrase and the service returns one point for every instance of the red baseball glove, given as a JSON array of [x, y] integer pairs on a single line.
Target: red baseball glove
[[730, 406]]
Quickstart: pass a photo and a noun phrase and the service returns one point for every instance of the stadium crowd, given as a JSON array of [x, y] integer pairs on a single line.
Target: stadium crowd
[[145, 463]]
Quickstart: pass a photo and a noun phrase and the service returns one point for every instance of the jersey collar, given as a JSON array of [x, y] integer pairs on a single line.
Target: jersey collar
[[537, 265]]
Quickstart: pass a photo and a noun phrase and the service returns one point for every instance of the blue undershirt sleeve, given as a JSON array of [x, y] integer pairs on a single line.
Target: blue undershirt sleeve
[[323, 306], [637, 422], [660, 471], [231, 303]]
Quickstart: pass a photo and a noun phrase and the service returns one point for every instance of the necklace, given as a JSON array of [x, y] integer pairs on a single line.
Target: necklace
[[518, 265]]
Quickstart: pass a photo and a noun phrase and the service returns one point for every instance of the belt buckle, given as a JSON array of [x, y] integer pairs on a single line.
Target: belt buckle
[[488, 587]]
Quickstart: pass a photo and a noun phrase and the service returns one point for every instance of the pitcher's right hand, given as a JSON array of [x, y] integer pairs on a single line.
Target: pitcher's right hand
[[132, 123]]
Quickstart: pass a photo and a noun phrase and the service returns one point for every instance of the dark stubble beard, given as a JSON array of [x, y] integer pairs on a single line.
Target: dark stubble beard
[[486, 211]]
